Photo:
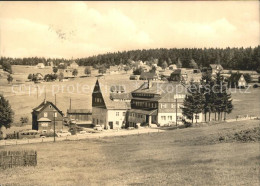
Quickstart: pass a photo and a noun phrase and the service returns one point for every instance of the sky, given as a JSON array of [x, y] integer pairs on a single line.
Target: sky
[[82, 29]]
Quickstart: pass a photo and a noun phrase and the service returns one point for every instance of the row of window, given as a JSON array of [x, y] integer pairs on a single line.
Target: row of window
[[145, 104], [118, 113], [45, 114], [136, 115], [143, 95], [98, 100], [170, 118]]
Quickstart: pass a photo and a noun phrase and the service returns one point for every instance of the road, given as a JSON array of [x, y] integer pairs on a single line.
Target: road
[[109, 133]]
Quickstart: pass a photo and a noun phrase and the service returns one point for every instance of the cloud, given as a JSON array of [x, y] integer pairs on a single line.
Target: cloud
[[81, 29], [76, 31]]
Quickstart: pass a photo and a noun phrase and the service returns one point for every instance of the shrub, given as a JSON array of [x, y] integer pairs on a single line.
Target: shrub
[[186, 124]]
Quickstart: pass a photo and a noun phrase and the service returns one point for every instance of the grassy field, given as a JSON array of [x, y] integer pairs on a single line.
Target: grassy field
[[189, 156], [24, 101]]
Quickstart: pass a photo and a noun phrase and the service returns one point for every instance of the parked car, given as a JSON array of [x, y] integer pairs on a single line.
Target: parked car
[[98, 127], [63, 133], [28, 134]]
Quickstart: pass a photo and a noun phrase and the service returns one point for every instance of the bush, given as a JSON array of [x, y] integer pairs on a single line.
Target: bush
[[255, 86], [186, 124]]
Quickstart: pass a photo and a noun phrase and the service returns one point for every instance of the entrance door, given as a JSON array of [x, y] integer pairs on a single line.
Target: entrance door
[[147, 119], [110, 124]]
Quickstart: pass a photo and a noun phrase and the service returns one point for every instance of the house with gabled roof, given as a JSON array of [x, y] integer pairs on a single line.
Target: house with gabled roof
[[110, 103], [156, 103], [215, 68], [43, 117]]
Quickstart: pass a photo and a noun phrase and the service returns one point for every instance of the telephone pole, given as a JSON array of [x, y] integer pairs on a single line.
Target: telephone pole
[[176, 112]]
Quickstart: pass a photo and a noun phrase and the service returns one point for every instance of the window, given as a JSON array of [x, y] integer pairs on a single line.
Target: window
[[163, 117], [55, 114], [163, 105], [117, 122], [197, 117], [123, 113], [117, 113], [50, 106], [45, 114], [170, 118], [172, 105]]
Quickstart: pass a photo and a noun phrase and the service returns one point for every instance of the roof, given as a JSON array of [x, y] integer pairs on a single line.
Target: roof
[[216, 66], [125, 96], [148, 75], [113, 68], [162, 88], [79, 111], [44, 104], [146, 112], [44, 119], [105, 86]]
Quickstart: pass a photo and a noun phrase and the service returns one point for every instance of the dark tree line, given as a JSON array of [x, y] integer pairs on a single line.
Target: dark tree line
[[229, 58]]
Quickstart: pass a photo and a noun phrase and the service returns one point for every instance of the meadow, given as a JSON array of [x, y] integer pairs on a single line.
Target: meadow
[[191, 156]]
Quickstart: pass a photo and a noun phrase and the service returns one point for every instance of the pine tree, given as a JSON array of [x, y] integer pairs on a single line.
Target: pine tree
[[6, 113], [193, 102]]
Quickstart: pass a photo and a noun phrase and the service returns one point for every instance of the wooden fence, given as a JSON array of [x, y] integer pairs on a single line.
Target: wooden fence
[[9, 159]]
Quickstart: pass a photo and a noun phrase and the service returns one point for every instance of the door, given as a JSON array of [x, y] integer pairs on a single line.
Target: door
[[147, 119], [110, 124]]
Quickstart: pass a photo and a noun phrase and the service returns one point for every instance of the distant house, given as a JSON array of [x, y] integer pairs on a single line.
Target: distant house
[[172, 67], [241, 81], [66, 72], [134, 77], [149, 76], [179, 75], [43, 117], [82, 117], [114, 69], [237, 80], [74, 65], [215, 68], [109, 104], [40, 65]]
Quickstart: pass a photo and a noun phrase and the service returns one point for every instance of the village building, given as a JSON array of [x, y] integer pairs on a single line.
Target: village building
[[156, 103], [74, 65], [110, 104], [44, 115], [114, 69], [172, 67], [40, 65], [215, 68], [149, 76], [82, 117], [241, 82], [39, 76]]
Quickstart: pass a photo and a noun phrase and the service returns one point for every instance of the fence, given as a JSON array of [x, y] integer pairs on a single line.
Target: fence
[[9, 159]]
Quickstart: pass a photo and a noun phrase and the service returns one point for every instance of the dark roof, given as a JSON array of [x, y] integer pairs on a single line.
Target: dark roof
[[79, 111], [105, 86], [166, 90], [125, 96], [148, 75], [44, 104]]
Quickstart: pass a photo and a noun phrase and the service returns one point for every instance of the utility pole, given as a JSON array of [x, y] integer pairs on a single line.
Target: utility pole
[[54, 126], [176, 112], [70, 103]]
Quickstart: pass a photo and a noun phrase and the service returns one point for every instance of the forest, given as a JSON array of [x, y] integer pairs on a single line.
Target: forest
[[229, 58]]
